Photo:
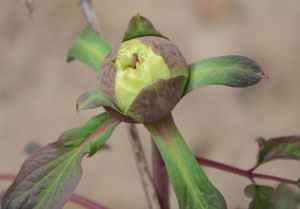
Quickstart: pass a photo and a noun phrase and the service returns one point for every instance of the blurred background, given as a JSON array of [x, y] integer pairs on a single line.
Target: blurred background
[[38, 88]]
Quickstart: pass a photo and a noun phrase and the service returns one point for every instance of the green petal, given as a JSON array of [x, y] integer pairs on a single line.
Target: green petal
[[193, 189], [89, 48], [233, 71], [140, 26]]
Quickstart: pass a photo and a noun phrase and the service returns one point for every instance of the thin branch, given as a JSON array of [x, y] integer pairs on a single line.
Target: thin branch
[[254, 167], [246, 173], [83, 201], [86, 202], [90, 15], [29, 5], [160, 178], [7, 177], [143, 168]]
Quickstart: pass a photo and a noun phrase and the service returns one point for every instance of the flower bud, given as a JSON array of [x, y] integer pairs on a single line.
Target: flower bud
[[145, 77]]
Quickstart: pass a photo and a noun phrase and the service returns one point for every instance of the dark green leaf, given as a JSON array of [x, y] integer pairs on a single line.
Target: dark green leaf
[[193, 189], [140, 26], [266, 197], [49, 176], [263, 196], [233, 71], [89, 48], [93, 99], [287, 147]]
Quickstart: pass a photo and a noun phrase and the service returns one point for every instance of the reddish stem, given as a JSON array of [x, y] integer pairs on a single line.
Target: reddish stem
[[160, 178], [246, 173], [86, 202], [74, 198], [7, 177], [254, 167]]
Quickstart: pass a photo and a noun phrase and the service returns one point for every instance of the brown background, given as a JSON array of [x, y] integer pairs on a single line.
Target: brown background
[[38, 88]]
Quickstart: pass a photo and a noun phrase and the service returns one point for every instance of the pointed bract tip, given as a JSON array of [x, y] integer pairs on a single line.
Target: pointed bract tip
[[140, 26], [137, 14], [77, 109], [69, 59], [263, 75]]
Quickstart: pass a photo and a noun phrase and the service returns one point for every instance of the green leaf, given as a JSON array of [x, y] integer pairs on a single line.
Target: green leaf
[[233, 71], [93, 99], [287, 198], [286, 147], [49, 176], [89, 48], [140, 26], [266, 197], [193, 189], [263, 196]]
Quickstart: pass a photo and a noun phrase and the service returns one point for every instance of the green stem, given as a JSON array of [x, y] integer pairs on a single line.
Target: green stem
[[192, 187]]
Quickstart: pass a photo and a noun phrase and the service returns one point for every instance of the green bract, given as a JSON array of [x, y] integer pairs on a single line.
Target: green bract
[[145, 77]]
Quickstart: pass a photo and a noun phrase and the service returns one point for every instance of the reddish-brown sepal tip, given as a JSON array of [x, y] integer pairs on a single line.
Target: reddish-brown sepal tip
[[77, 110], [263, 75]]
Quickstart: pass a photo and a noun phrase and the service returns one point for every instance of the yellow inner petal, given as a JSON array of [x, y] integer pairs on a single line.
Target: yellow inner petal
[[129, 81]]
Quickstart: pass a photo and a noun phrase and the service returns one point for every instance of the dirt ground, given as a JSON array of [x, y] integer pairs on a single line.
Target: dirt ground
[[38, 88]]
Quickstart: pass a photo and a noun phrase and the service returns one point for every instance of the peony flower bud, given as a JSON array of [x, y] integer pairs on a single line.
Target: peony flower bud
[[145, 77]]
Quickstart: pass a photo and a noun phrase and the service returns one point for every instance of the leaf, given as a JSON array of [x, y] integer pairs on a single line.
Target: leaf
[[49, 176], [263, 196], [140, 26], [233, 71], [89, 48], [93, 99], [193, 189], [287, 198], [266, 197], [286, 147]]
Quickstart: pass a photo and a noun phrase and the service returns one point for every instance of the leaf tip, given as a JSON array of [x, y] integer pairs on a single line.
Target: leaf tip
[[140, 26], [69, 57], [137, 14], [263, 75], [77, 109], [261, 141]]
